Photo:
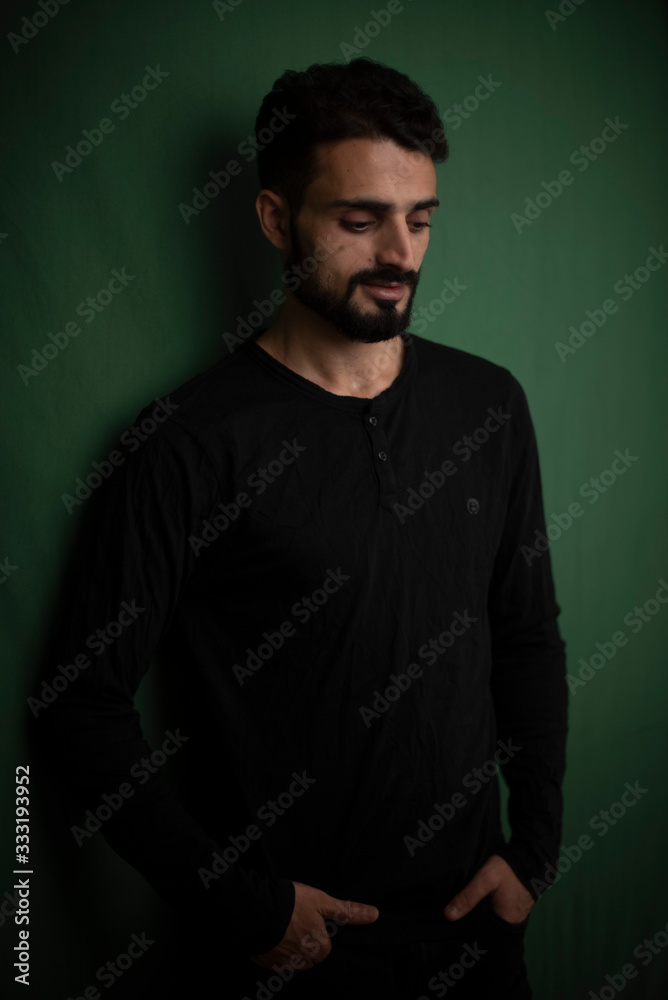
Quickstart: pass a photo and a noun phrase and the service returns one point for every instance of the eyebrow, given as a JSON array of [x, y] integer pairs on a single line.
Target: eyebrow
[[372, 205]]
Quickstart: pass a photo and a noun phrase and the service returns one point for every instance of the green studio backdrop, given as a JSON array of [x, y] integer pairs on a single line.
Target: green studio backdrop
[[563, 281]]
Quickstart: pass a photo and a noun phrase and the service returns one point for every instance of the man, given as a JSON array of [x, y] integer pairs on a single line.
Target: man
[[332, 537]]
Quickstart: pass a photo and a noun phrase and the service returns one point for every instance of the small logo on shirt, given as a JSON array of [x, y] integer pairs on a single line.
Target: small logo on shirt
[[472, 505]]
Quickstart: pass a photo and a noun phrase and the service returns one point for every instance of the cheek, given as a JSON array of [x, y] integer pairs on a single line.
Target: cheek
[[336, 270], [419, 250], [329, 276]]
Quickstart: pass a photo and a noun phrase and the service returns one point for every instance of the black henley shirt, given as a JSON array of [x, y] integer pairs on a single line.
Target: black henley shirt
[[356, 620]]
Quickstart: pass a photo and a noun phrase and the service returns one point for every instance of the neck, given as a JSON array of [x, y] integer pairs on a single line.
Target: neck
[[318, 352]]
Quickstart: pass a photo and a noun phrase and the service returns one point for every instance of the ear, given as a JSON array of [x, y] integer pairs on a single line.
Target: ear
[[274, 214]]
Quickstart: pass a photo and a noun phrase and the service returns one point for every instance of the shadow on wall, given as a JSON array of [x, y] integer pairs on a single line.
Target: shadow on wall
[[235, 264], [238, 265]]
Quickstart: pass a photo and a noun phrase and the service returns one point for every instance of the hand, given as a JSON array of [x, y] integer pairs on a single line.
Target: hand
[[306, 941], [510, 899]]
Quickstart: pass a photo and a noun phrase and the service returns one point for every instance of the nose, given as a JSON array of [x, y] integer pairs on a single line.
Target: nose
[[395, 246]]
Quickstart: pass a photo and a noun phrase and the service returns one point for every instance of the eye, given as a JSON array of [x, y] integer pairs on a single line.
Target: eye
[[354, 227], [361, 227]]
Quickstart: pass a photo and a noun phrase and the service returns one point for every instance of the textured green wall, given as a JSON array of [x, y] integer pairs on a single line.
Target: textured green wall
[[554, 79]]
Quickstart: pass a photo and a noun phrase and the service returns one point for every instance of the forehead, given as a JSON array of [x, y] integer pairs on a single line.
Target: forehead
[[377, 168]]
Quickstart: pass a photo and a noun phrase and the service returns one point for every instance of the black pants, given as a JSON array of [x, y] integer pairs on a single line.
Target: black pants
[[482, 960], [489, 966]]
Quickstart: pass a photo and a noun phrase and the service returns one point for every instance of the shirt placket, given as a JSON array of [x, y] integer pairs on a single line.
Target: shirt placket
[[381, 456]]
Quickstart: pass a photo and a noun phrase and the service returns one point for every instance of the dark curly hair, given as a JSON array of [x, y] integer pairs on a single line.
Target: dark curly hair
[[331, 102]]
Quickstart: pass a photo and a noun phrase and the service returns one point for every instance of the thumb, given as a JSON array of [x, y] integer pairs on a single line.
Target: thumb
[[345, 911], [470, 896]]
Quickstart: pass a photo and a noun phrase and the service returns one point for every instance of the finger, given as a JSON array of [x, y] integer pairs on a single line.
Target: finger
[[470, 896], [345, 911]]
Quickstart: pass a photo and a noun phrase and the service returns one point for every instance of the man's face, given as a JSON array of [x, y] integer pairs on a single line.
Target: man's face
[[374, 199]]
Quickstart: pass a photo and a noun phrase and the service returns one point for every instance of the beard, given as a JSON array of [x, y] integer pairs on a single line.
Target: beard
[[384, 320]]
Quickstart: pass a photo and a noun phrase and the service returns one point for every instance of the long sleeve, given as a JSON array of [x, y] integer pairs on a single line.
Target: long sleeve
[[132, 567], [528, 666]]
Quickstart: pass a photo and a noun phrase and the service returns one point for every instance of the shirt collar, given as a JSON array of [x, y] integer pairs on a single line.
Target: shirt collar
[[358, 404]]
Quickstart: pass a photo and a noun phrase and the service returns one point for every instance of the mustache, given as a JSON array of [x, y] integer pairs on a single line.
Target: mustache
[[409, 278]]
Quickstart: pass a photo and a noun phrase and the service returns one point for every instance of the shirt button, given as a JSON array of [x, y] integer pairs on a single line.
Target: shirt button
[[382, 455], [373, 421]]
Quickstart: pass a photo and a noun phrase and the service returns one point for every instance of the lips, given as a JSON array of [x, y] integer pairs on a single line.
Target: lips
[[389, 290]]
